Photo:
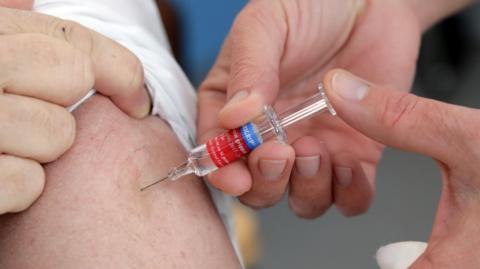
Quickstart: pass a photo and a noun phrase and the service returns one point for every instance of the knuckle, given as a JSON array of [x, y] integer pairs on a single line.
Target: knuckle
[[245, 72], [60, 133], [73, 33], [136, 81], [214, 86], [242, 67], [82, 77], [8, 21], [395, 111]]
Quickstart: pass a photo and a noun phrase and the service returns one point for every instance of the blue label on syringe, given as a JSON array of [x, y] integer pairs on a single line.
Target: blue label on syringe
[[250, 136]]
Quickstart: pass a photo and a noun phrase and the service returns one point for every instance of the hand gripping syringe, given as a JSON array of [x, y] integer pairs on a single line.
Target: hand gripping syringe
[[234, 144]]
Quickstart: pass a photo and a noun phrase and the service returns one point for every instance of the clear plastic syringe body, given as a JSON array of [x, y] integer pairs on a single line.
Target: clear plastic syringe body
[[234, 144]]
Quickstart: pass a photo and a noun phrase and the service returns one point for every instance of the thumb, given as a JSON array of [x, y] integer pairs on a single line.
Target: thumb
[[257, 43], [398, 119]]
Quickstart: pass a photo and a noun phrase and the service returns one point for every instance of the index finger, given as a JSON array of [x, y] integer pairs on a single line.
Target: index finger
[[257, 45], [234, 178], [118, 72]]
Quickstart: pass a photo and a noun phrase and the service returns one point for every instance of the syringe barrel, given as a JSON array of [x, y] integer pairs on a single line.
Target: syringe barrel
[[234, 144]]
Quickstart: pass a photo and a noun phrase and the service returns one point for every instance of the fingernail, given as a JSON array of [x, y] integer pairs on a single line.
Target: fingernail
[[272, 169], [238, 97], [343, 176], [144, 105], [349, 87], [307, 166]]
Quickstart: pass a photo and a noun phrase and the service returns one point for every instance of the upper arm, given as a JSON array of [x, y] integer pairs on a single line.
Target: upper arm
[[92, 214]]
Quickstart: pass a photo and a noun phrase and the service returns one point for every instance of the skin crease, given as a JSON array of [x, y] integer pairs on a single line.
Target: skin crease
[[378, 41], [92, 214]]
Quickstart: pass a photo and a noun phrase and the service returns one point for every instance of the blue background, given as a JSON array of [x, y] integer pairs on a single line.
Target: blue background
[[204, 25]]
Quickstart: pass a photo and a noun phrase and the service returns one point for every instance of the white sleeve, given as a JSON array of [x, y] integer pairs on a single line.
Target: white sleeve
[[136, 25]]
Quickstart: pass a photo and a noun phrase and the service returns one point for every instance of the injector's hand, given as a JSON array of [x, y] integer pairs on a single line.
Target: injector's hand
[[276, 53], [447, 133]]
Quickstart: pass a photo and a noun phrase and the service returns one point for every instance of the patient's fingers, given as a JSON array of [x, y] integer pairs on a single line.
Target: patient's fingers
[[118, 72], [45, 68], [353, 193], [310, 185], [34, 129], [21, 182], [270, 165]]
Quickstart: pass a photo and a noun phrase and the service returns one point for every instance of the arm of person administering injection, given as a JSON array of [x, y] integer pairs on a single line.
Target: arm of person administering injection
[[47, 64], [276, 53]]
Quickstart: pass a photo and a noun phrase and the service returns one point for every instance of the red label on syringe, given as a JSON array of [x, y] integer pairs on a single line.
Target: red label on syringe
[[232, 145]]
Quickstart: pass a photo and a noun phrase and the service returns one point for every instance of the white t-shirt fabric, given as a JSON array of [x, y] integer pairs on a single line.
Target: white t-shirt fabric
[[136, 24]]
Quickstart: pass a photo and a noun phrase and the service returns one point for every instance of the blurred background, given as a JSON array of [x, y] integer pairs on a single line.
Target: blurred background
[[408, 185]]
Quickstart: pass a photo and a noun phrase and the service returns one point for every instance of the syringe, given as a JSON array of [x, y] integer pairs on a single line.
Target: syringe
[[234, 144]]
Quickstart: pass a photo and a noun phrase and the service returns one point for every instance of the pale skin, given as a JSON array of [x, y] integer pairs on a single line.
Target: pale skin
[[276, 53], [47, 65], [93, 215], [447, 133], [112, 222]]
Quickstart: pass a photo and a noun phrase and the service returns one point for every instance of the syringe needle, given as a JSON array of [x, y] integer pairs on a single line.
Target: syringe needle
[[153, 183]]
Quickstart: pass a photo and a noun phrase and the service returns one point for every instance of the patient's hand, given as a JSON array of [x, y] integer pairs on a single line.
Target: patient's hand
[[48, 64], [92, 214]]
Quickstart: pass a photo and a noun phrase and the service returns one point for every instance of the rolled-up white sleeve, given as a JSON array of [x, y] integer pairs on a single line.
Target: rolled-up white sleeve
[[136, 25]]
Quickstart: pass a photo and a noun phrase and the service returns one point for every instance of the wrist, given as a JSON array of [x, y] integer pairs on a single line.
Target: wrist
[[429, 12]]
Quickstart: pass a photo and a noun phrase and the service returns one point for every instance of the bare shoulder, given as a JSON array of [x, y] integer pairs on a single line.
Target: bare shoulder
[[92, 214]]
